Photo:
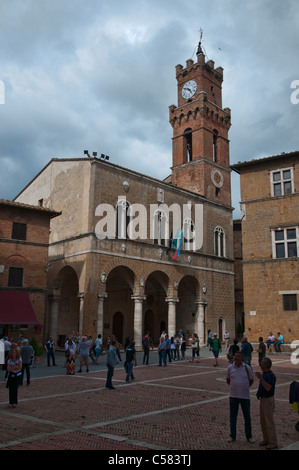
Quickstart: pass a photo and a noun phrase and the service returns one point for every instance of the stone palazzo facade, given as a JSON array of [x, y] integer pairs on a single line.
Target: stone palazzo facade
[[124, 284]]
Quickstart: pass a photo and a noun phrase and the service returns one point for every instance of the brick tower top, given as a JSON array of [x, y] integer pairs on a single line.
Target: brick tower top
[[208, 79], [200, 130]]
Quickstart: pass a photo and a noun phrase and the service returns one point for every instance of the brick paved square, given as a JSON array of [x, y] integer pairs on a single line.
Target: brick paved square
[[181, 407]]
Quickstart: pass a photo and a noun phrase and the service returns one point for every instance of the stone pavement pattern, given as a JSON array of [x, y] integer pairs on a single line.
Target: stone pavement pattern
[[181, 407]]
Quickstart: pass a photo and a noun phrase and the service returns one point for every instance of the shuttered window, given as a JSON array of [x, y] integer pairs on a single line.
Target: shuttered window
[[15, 277], [19, 231]]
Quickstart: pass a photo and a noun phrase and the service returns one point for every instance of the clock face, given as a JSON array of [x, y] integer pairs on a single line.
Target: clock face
[[217, 178], [189, 89]]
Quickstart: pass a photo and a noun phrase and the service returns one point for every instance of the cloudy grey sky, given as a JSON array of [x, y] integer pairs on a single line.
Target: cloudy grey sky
[[100, 75]]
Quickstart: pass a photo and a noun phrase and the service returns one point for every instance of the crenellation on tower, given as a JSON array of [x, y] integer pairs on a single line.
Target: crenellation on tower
[[210, 64], [178, 69], [189, 63]]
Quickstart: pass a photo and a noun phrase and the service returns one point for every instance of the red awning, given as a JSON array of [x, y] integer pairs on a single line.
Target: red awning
[[16, 309]]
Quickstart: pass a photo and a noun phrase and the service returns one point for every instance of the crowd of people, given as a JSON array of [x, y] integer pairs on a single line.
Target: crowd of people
[[262, 349], [174, 348], [19, 356], [83, 347], [169, 349]]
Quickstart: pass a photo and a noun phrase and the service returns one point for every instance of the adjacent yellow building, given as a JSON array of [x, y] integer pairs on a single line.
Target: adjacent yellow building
[[270, 240]]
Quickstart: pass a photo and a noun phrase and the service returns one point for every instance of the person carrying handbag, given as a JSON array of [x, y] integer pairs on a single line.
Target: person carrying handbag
[[14, 368], [195, 347]]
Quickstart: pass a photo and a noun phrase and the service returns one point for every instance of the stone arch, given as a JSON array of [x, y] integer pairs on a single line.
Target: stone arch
[[108, 269], [15, 260], [119, 311], [124, 272], [67, 284], [161, 277], [188, 292], [155, 291]]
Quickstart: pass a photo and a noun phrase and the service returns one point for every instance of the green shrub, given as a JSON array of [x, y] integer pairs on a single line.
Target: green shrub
[[38, 350]]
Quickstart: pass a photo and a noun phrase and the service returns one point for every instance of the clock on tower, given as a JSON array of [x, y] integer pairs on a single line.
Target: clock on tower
[[189, 89], [200, 131]]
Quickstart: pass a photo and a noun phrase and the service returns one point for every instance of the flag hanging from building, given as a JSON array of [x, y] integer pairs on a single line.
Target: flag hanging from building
[[178, 249], [175, 240]]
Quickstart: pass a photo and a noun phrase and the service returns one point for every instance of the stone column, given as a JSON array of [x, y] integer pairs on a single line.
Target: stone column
[[53, 323], [200, 320], [172, 301], [100, 313], [81, 312], [138, 310]]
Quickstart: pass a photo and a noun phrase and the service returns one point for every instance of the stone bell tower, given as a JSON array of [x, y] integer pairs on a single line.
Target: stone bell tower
[[200, 131]]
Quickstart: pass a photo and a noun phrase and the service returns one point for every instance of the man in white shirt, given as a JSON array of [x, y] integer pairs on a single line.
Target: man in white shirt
[[7, 346], [239, 377]]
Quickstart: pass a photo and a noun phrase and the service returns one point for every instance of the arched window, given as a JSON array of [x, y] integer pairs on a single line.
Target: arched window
[[215, 137], [219, 242], [188, 144], [188, 234], [122, 219], [160, 228]]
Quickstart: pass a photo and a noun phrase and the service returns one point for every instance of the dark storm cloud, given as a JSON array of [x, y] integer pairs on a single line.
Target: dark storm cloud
[[101, 75]]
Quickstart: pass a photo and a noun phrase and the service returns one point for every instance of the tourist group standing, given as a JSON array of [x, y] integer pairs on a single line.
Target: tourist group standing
[[84, 348], [239, 373], [174, 348]]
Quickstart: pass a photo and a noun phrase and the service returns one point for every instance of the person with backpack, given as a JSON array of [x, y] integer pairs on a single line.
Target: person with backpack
[[146, 344], [247, 350], [130, 361], [215, 346]]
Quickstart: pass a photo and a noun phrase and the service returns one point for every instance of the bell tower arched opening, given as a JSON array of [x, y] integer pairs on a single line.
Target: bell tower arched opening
[[188, 145]]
